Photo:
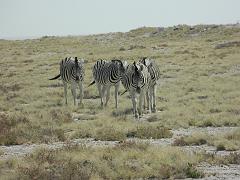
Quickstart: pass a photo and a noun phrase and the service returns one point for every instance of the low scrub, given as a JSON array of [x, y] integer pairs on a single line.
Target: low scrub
[[130, 161]]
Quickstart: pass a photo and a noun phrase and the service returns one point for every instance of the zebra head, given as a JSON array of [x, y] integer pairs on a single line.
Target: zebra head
[[78, 68], [139, 71], [147, 62]]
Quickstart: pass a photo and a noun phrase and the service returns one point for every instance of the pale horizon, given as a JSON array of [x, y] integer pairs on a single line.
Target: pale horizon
[[33, 19]]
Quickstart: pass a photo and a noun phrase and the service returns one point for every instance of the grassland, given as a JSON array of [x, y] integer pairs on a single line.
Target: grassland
[[199, 86]]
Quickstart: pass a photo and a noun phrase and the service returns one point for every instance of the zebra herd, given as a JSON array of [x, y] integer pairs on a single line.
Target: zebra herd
[[139, 78]]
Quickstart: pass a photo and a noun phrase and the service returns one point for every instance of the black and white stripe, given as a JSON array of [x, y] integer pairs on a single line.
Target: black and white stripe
[[72, 72], [107, 74], [136, 80], [154, 72]]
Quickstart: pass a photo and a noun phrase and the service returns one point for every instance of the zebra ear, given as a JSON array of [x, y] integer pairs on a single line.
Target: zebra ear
[[147, 62], [134, 67], [82, 61], [125, 64]]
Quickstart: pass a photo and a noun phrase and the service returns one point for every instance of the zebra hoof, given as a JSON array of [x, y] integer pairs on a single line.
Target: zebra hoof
[[136, 116], [149, 111], [154, 110]]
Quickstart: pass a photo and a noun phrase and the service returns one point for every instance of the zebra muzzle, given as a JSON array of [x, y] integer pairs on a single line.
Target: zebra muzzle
[[138, 90]]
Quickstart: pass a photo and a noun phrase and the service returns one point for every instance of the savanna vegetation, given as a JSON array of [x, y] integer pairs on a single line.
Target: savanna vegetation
[[200, 82]]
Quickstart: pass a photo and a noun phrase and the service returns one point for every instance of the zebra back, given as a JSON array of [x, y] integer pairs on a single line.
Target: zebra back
[[106, 72], [71, 69]]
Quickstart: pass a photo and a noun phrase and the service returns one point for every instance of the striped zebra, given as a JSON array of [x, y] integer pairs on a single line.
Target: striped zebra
[[136, 80], [107, 74], [72, 72], [154, 71]]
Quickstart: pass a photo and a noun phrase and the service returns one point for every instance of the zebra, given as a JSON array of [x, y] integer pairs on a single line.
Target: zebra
[[107, 74], [154, 71], [72, 72], [136, 79]]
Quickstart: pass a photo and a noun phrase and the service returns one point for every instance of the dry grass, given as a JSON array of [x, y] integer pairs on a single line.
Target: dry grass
[[227, 141], [199, 87], [126, 161]]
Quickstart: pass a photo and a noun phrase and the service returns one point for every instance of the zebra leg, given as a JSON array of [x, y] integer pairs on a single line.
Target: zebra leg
[[116, 95], [141, 96], [100, 93], [104, 93], [65, 91], [134, 102], [74, 92], [154, 98], [80, 84], [107, 95], [148, 100]]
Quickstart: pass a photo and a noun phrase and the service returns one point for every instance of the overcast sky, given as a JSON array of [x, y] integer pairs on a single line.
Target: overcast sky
[[34, 18]]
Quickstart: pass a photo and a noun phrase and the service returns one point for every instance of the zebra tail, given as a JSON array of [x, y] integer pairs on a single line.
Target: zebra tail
[[123, 92], [91, 83], [55, 77]]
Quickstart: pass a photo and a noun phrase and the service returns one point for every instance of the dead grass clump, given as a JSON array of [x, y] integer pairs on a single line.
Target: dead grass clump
[[228, 44], [221, 147], [193, 140], [109, 134], [206, 123], [88, 95], [180, 142], [124, 112], [61, 116], [232, 158], [9, 132], [45, 164], [150, 131], [7, 88], [192, 172], [153, 118], [136, 47], [131, 144], [122, 49]]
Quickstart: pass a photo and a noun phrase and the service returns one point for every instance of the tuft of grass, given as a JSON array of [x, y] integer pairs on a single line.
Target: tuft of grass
[[10, 132], [221, 147], [109, 133], [195, 140], [150, 131], [192, 172]]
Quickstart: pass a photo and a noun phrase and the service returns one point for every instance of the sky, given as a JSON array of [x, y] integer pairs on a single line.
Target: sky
[[36, 18]]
